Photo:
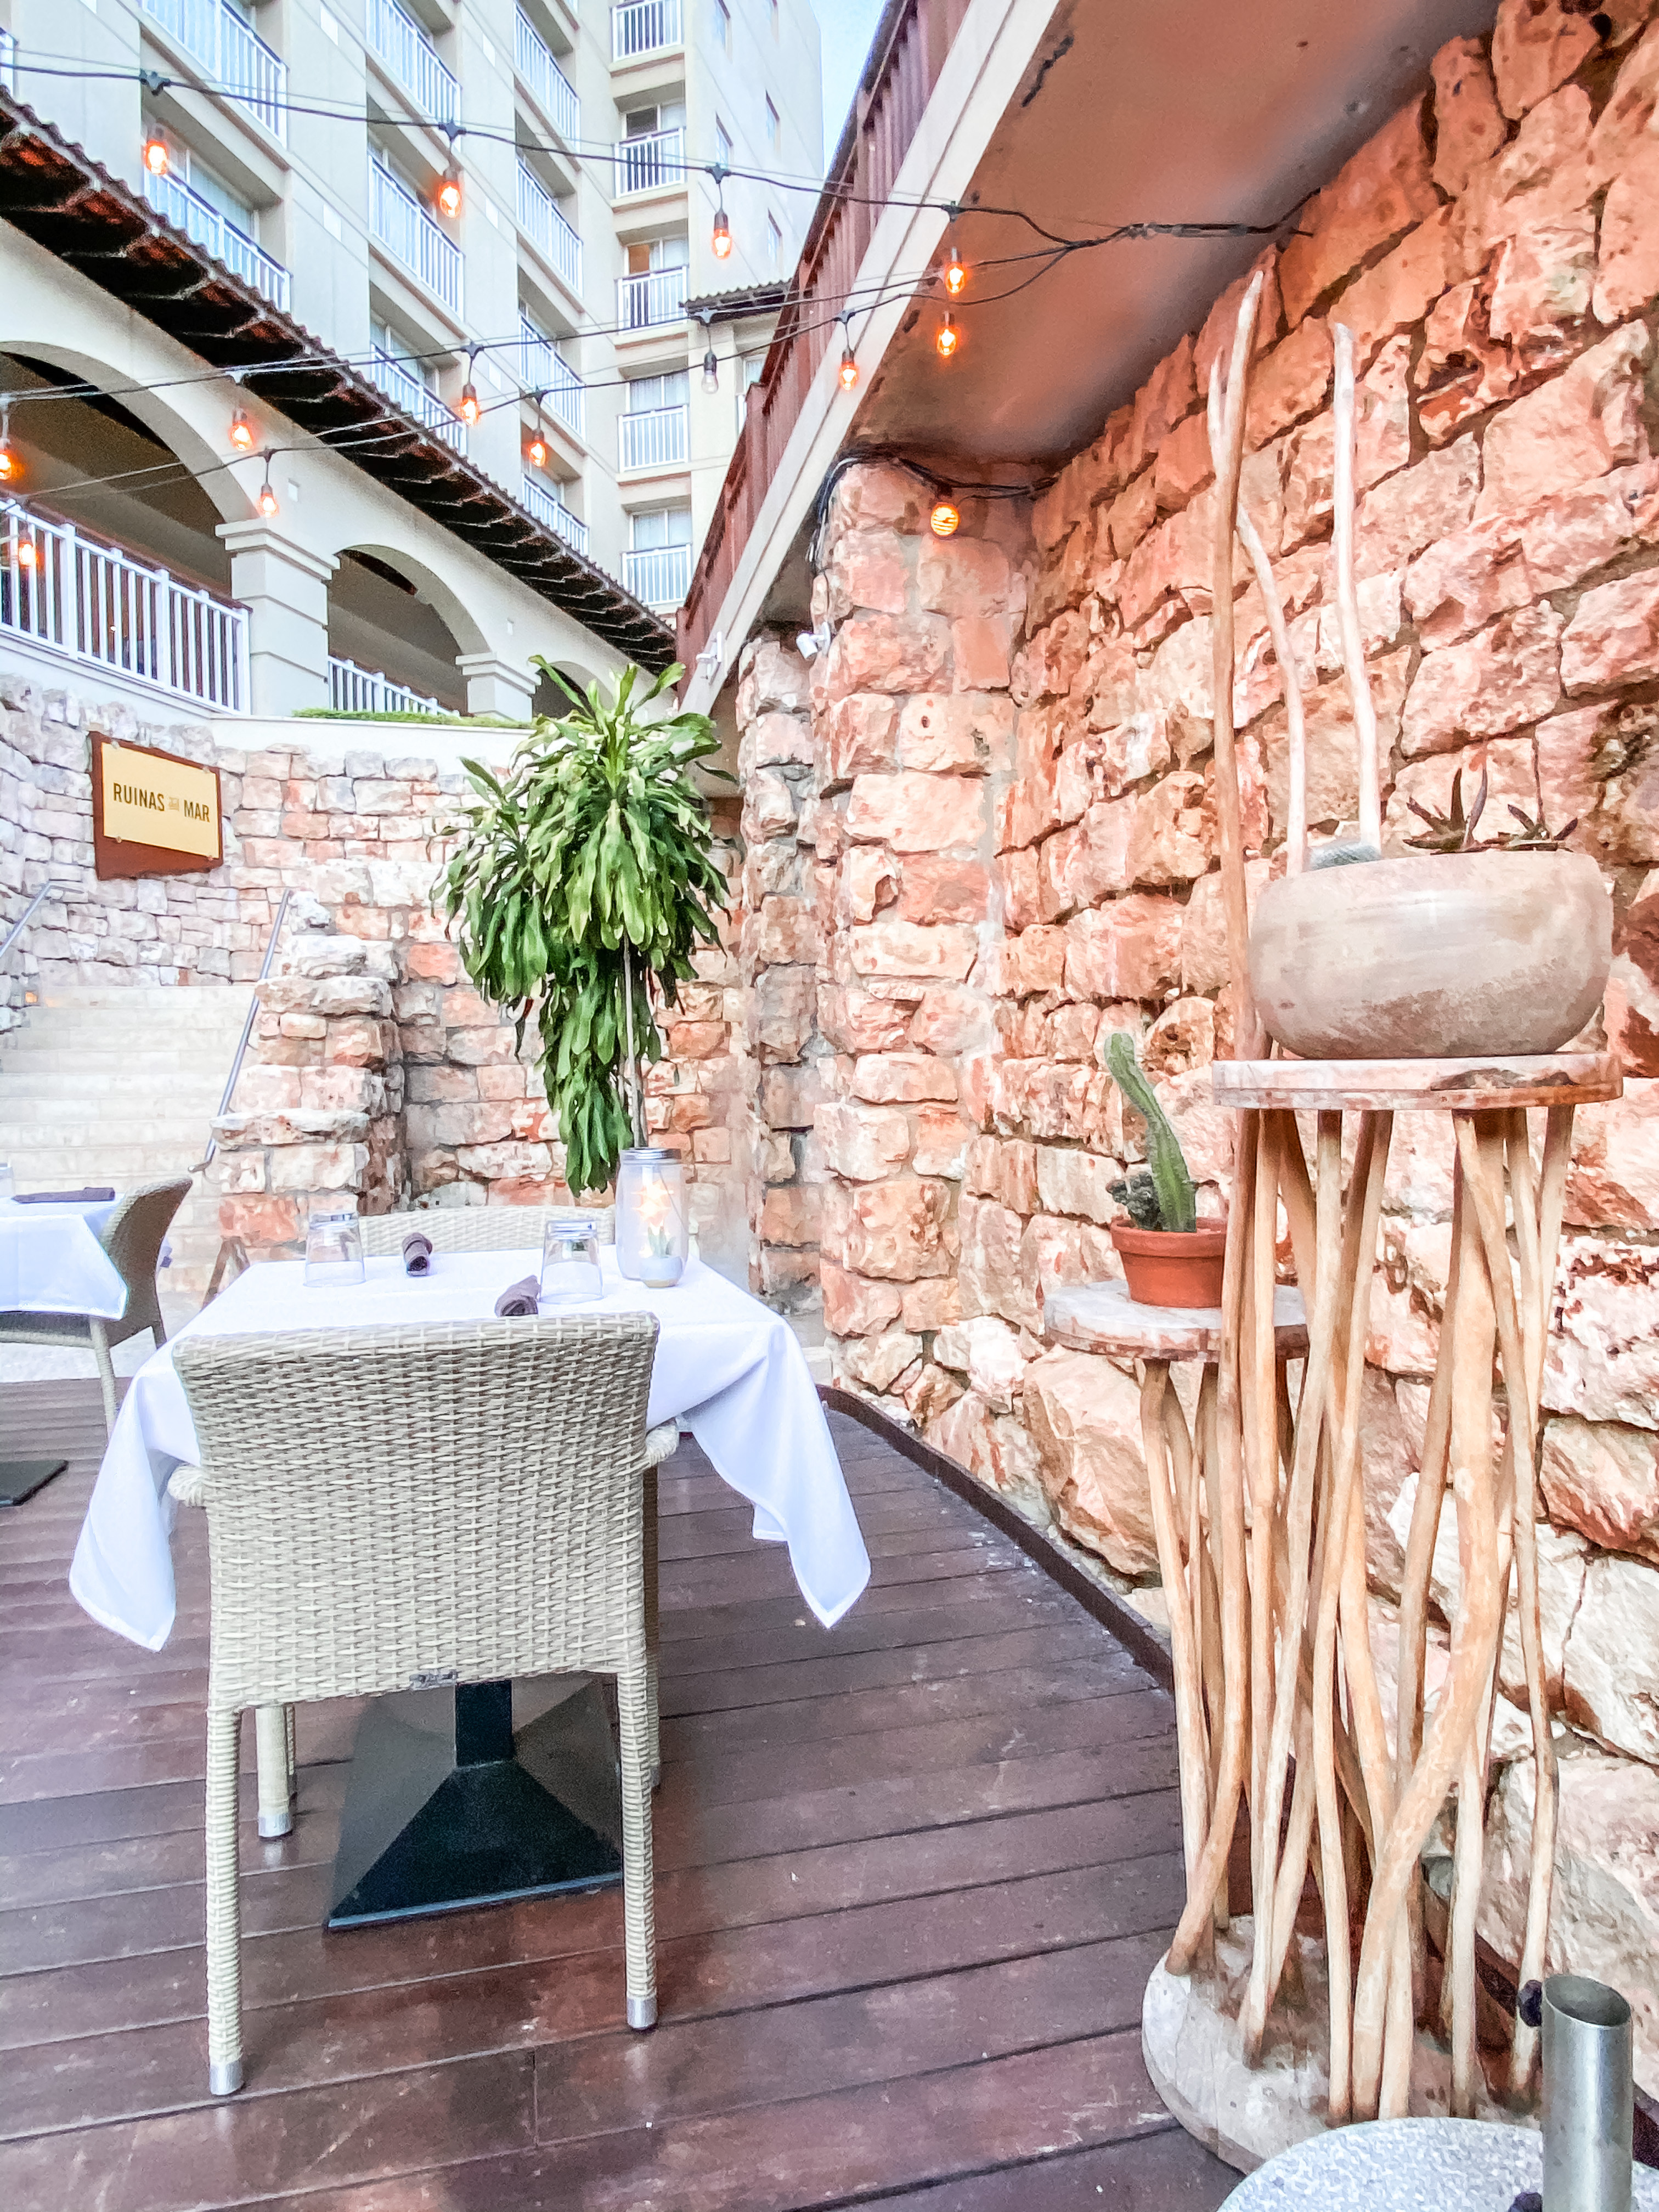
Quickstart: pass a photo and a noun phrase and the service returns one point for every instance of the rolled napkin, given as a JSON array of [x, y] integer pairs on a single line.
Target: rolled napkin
[[91, 1196], [417, 1254], [518, 1300]]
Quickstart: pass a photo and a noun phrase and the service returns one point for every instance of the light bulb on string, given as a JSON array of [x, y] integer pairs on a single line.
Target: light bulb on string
[[26, 552], [449, 195], [944, 518], [268, 501], [947, 338], [241, 432], [721, 240], [157, 160], [469, 409], [8, 459], [847, 375], [538, 446], [954, 272], [711, 371]]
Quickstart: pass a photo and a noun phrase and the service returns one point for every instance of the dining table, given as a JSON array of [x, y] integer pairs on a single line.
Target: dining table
[[51, 1261], [728, 1368]]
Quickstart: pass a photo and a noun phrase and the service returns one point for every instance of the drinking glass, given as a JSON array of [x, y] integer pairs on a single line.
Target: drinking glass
[[334, 1247], [570, 1262]]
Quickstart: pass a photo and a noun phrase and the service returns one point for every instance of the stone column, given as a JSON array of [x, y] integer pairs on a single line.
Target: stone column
[[494, 686], [285, 587]]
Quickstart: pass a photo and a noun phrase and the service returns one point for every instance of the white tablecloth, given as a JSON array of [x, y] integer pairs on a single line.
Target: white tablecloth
[[50, 1261], [727, 1365]]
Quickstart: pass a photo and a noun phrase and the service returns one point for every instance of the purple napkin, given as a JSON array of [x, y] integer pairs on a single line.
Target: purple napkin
[[89, 1197], [417, 1253], [518, 1300]]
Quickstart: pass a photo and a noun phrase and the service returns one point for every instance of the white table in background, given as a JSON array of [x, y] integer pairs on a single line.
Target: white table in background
[[51, 1261]]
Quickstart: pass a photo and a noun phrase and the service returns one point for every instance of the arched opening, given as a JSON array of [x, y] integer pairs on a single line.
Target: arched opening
[[549, 699], [388, 643]]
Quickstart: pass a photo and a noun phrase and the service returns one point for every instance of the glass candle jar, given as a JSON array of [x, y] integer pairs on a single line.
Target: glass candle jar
[[570, 1262], [334, 1247], [651, 1228]]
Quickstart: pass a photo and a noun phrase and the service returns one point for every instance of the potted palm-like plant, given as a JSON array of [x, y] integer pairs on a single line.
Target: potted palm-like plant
[[1168, 1258], [582, 880]]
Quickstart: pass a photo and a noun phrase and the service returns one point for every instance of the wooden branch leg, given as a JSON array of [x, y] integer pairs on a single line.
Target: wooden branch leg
[[1190, 1717], [1260, 1407]]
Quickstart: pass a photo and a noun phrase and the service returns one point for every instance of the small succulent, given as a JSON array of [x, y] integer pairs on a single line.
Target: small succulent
[[1174, 1203], [1454, 831]]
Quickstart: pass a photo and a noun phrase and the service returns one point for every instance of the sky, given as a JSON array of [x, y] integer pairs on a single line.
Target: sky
[[846, 27]]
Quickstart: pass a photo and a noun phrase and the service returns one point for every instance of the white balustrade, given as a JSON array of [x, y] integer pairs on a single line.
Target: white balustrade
[[541, 369], [547, 230], [399, 382], [649, 163], [553, 514], [179, 204], [354, 690], [403, 46], [89, 600], [403, 226], [549, 87], [654, 437], [661, 575], [642, 26], [657, 296], [232, 53]]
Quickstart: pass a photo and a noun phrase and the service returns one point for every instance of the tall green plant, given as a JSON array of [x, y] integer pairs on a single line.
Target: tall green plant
[[1172, 1185], [582, 878]]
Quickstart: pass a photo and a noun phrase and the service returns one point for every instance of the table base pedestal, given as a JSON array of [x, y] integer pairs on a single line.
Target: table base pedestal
[[447, 1808], [21, 1478]]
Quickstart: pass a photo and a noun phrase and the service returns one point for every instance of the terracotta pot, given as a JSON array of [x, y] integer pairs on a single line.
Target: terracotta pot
[[1172, 1266], [1443, 955]]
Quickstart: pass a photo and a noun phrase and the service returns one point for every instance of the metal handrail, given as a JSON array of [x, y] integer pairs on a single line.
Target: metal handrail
[[23, 921], [247, 1030]]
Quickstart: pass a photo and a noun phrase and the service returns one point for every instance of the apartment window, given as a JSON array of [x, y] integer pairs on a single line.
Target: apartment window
[[661, 527], [722, 144], [774, 243], [774, 133], [647, 393], [192, 172], [723, 25]]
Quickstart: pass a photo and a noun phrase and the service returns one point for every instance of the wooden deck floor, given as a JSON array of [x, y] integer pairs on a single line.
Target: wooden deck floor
[[911, 1878]]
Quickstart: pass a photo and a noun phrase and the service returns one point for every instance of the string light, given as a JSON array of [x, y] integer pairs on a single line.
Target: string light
[[955, 273], [948, 339], [711, 371], [268, 503], [8, 459], [944, 518], [471, 409], [157, 160], [537, 446], [241, 432], [721, 240], [847, 373], [26, 554], [449, 195]]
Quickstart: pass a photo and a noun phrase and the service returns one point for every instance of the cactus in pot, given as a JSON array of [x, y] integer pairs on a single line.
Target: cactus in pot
[[1170, 1261]]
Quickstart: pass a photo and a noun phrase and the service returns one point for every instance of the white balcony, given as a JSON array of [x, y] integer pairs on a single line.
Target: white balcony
[[401, 44], [649, 164], [9, 62], [201, 222], [553, 514], [661, 575], [354, 690], [416, 398], [541, 369], [549, 85], [233, 55], [88, 601], [403, 226], [655, 438], [644, 26], [658, 296], [548, 231]]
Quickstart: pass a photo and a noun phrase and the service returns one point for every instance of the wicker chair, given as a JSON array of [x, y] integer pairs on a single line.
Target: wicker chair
[[479, 1228], [132, 1236], [393, 1503]]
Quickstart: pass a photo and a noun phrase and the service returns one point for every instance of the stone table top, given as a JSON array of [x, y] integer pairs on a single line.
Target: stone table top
[[1102, 1317], [1407, 1086], [1411, 2166]]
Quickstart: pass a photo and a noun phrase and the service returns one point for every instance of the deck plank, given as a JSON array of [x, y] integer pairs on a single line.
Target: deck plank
[[912, 1875]]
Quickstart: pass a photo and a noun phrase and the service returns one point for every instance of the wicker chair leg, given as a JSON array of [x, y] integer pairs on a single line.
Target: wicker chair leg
[[100, 1336], [293, 1735], [271, 1724], [639, 1916], [224, 1932], [650, 1541]]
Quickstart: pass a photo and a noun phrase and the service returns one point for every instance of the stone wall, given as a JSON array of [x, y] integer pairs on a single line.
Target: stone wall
[[1013, 821]]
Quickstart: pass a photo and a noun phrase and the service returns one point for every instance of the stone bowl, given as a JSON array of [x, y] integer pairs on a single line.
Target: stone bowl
[[1441, 955]]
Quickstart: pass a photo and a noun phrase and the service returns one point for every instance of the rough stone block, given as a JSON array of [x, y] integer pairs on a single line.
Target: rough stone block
[[1085, 1419], [863, 1143], [1386, 187]]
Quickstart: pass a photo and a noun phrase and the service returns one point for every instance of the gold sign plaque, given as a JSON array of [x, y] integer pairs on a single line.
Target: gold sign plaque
[[153, 813]]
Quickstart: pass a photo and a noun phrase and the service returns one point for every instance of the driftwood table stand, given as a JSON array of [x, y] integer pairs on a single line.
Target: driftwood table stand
[[1294, 1730]]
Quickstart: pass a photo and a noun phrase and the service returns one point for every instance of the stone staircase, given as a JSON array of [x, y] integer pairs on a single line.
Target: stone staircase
[[120, 1087]]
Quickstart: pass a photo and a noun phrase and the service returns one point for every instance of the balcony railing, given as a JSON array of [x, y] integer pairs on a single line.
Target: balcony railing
[[8, 62], [643, 26], [200, 221], [655, 438], [541, 369], [547, 230], [410, 55], [658, 576], [648, 164], [403, 226], [416, 398], [233, 54], [553, 514], [91, 602], [549, 87], [354, 690], [658, 296]]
